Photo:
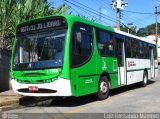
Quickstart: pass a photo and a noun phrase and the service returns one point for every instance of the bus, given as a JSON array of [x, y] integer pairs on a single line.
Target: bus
[[66, 55]]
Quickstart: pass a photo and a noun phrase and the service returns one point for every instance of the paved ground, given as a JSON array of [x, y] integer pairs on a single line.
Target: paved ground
[[128, 99], [8, 98]]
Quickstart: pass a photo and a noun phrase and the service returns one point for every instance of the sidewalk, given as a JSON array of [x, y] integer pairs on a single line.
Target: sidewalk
[[8, 99]]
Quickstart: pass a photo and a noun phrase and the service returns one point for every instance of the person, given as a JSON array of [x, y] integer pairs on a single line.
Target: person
[[110, 46]]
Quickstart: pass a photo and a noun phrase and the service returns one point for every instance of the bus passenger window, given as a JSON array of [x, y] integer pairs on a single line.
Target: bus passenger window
[[128, 48], [110, 46], [81, 44], [105, 43]]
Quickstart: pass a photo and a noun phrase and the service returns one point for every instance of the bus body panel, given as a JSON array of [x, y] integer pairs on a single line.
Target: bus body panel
[[158, 52], [156, 68], [84, 79], [59, 87], [136, 68]]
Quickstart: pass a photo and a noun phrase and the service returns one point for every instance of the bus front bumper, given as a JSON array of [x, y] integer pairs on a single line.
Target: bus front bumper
[[59, 87]]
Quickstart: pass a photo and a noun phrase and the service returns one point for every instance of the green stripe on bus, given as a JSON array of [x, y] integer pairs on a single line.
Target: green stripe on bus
[[137, 69], [96, 74]]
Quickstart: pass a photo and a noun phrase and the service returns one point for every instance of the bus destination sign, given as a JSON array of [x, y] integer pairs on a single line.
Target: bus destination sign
[[40, 25]]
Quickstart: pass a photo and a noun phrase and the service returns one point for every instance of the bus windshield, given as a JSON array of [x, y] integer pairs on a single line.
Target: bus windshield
[[39, 50]]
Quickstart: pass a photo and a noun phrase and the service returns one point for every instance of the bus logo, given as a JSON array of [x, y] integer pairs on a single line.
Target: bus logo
[[104, 65], [131, 63]]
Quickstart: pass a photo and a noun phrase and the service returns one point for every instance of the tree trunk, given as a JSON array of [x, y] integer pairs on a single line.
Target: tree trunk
[[1, 42]]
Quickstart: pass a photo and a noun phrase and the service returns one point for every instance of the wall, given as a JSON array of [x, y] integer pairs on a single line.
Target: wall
[[4, 70]]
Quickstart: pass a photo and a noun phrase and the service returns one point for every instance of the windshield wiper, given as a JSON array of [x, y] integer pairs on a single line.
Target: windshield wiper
[[45, 43]]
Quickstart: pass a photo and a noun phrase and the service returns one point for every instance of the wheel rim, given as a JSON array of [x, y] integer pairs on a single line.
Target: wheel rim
[[145, 79], [103, 87]]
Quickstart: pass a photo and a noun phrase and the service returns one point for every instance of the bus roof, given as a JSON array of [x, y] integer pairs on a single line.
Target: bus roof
[[133, 36]]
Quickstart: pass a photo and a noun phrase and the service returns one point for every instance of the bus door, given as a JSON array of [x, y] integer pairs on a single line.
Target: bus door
[[82, 65], [152, 63], [121, 62]]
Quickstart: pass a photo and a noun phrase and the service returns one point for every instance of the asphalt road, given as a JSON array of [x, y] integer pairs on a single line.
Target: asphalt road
[[128, 99]]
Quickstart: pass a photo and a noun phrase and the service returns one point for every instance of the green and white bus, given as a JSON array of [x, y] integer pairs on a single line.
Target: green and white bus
[[66, 55]]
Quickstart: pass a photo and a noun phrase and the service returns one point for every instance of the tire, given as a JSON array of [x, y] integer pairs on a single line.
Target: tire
[[145, 79], [103, 88]]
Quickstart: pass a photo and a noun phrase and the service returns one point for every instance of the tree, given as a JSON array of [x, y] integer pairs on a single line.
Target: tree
[[6, 10], [148, 30], [132, 29], [13, 12], [87, 18], [142, 32]]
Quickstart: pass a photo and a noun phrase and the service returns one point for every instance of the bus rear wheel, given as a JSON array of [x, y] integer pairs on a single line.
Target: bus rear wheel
[[103, 88], [145, 79]]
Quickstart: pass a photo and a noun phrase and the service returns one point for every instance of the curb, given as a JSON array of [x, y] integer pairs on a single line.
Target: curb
[[8, 107], [9, 102]]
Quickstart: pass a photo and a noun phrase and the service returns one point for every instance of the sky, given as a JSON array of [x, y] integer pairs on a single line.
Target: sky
[[92, 8]]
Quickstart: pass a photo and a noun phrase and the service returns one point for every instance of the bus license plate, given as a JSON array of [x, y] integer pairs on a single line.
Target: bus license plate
[[33, 88]]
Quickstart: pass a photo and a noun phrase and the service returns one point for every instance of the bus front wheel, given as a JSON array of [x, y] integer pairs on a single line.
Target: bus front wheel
[[103, 88]]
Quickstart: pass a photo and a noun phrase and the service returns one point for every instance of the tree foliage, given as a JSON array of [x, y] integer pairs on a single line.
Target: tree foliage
[[145, 31], [85, 17], [13, 12], [132, 29], [148, 30]]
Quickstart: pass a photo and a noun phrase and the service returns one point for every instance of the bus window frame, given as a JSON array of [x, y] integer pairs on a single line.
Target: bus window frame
[[146, 44], [113, 38], [39, 31], [70, 48]]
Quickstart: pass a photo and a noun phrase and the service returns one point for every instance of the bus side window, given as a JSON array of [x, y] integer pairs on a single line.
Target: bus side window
[[141, 52], [111, 46], [81, 44], [105, 43], [128, 48], [145, 50], [132, 48], [155, 52]]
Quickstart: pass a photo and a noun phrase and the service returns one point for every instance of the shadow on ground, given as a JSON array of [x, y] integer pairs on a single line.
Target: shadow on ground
[[73, 101], [128, 88]]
